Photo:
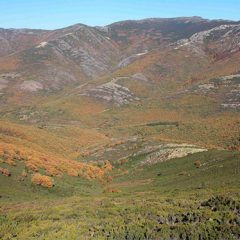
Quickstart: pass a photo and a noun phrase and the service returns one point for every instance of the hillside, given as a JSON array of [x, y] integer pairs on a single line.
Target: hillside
[[137, 120]]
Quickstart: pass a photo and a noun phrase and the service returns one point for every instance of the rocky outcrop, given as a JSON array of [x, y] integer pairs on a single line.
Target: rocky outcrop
[[220, 41], [31, 86], [128, 60], [140, 76], [165, 152], [112, 92], [90, 49], [14, 40], [226, 88], [5, 80]]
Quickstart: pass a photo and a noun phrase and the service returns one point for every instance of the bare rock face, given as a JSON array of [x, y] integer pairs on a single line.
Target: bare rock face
[[128, 60], [52, 60], [112, 92], [203, 36], [166, 152], [226, 88], [55, 59], [140, 76], [232, 95], [3, 83], [55, 78], [136, 36], [31, 86], [6, 79], [220, 41], [13, 40], [88, 48], [5, 47]]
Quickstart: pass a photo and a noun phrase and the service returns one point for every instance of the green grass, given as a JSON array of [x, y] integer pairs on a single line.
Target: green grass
[[161, 201], [14, 189], [219, 170]]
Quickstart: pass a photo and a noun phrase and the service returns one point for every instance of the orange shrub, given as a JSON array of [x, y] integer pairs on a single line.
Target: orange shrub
[[72, 172], [31, 166], [24, 174], [53, 166], [86, 154], [10, 162], [5, 172], [110, 178], [42, 180], [108, 166], [53, 171]]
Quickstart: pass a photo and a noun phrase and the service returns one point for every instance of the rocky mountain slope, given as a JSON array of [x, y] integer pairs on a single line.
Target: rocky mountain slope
[[161, 50]]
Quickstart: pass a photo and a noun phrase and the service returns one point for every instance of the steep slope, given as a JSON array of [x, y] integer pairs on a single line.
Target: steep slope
[[66, 56], [52, 60], [14, 40], [150, 33], [175, 64]]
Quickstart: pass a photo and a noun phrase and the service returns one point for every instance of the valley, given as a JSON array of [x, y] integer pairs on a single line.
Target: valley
[[128, 131]]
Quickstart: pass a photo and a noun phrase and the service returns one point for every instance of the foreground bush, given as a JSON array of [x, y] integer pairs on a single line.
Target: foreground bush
[[5, 172], [42, 180]]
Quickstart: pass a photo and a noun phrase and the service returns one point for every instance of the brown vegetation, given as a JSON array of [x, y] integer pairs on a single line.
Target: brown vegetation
[[24, 174], [42, 180], [108, 167], [112, 190], [123, 161], [5, 172], [197, 164]]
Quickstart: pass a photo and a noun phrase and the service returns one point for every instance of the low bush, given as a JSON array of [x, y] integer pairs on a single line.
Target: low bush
[[5, 172], [42, 180]]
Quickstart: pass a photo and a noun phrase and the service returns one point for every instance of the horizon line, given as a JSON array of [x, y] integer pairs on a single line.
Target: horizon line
[[119, 21]]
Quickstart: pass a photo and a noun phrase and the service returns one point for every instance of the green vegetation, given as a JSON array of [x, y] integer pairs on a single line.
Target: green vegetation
[[172, 199]]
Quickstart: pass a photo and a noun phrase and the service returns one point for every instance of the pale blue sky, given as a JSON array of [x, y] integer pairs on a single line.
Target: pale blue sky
[[52, 14]]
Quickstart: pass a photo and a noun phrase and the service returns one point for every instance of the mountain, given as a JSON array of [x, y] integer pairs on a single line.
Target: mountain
[[135, 120], [51, 60]]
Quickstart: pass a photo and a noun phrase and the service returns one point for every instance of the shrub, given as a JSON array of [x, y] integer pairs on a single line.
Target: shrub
[[42, 180], [123, 161], [197, 164], [112, 190], [108, 167], [5, 172], [31, 166], [109, 179], [72, 172], [24, 174]]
